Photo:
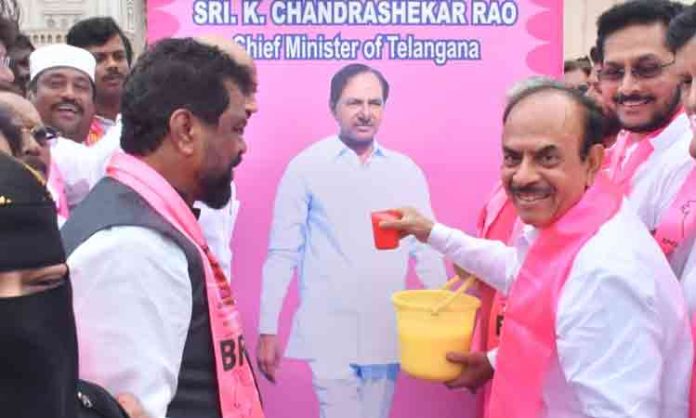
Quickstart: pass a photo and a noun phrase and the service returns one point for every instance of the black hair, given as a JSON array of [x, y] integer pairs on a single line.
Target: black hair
[[10, 131], [594, 55], [682, 29], [343, 76], [97, 31], [22, 41], [583, 64], [594, 129], [175, 74], [635, 12]]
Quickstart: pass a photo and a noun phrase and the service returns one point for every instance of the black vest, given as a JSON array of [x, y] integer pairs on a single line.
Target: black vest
[[112, 204]]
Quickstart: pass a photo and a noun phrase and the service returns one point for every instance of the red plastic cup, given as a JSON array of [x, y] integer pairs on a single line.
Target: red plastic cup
[[385, 239]]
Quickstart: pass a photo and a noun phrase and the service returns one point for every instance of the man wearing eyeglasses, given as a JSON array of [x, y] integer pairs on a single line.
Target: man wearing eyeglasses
[[650, 160]]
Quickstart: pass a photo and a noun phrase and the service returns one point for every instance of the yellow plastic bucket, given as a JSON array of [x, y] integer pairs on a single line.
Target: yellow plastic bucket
[[426, 338]]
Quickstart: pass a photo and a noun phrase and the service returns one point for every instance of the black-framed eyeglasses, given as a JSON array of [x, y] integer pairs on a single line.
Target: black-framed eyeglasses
[[44, 134], [642, 71]]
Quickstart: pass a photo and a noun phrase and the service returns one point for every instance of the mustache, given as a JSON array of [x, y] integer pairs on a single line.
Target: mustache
[[69, 102], [620, 98], [530, 189], [114, 73], [236, 161]]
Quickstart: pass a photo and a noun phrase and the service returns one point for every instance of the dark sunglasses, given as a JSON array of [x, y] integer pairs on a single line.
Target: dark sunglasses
[[44, 134]]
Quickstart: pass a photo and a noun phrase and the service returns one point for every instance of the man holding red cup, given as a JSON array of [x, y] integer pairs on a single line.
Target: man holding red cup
[[326, 225]]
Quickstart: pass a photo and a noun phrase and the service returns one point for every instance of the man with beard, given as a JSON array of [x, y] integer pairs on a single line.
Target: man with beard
[[345, 326], [155, 314], [596, 325], [104, 39], [61, 87], [83, 167], [650, 161]]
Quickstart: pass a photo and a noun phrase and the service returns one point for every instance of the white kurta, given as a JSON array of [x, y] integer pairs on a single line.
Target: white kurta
[[132, 332], [622, 333], [656, 184], [321, 227]]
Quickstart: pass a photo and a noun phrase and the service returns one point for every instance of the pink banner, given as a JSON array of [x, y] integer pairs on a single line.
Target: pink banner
[[449, 65]]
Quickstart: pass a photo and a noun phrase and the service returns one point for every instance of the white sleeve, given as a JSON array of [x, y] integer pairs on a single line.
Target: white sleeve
[[489, 260], [132, 301], [608, 340], [218, 226], [72, 159], [81, 166], [285, 248]]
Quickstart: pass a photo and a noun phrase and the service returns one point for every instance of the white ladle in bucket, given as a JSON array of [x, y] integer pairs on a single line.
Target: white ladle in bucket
[[463, 288]]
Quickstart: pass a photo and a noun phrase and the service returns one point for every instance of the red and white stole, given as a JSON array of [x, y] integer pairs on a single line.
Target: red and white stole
[[239, 397]]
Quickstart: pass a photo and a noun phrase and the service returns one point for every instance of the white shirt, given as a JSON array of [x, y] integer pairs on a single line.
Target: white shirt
[[132, 301], [82, 167], [321, 227], [655, 185], [218, 226], [623, 339]]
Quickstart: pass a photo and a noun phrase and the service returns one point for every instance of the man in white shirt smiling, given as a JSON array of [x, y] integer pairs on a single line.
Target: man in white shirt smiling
[[345, 326], [650, 160], [596, 325]]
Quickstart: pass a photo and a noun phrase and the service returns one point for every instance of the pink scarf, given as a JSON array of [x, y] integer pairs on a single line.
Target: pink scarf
[[239, 397], [55, 184], [621, 173], [679, 222], [496, 221], [529, 331]]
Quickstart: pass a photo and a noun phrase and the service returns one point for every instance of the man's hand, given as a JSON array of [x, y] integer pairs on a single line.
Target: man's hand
[[477, 371], [131, 405], [411, 223], [268, 355]]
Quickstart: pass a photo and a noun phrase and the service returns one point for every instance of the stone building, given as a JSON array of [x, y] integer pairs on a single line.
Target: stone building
[[48, 21]]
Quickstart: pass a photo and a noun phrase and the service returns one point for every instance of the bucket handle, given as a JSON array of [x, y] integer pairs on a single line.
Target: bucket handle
[[470, 280]]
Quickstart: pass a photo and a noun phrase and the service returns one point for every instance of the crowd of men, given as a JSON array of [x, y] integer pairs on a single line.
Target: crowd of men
[[117, 205]]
